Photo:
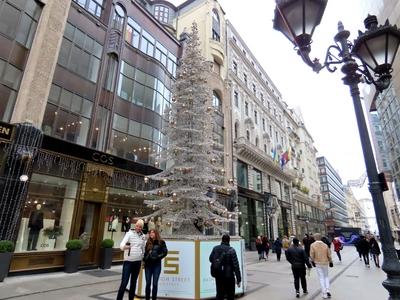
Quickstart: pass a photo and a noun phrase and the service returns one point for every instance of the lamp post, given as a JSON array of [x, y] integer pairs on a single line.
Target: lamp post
[[271, 205], [376, 49]]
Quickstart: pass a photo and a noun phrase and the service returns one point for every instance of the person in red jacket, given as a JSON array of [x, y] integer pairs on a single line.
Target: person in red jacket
[[338, 246]]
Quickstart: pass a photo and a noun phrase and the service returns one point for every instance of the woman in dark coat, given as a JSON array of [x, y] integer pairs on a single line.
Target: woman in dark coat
[[375, 251], [260, 248], [364, 247], [278, 248], [155, 251]]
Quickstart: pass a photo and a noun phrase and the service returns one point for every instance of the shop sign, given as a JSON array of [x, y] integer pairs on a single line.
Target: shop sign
[[6, 131], [103, 158]]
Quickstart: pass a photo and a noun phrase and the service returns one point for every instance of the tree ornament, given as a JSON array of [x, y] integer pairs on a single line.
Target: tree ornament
[[231, 181], [165, 181], [146, 179]]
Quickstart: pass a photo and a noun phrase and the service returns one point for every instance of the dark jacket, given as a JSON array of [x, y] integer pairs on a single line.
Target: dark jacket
[[231, 263], [364, 247], [374, 247], [297, 257], [155, 254], [36, 220], [277, 246]]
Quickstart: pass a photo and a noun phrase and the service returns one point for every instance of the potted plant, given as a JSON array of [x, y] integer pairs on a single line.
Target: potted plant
[[106, 253], [72, 256], [52, 233], [6, 253]]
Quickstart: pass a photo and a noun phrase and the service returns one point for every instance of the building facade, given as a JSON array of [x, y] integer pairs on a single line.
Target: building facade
[[357, 217], [332, 195], [85, 85]]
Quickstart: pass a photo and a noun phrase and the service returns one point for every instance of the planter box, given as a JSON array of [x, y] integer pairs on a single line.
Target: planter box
[[106, 255], [72, 260], [5, 260]]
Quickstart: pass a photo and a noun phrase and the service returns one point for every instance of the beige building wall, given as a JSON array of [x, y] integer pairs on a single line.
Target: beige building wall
[[38, 75]]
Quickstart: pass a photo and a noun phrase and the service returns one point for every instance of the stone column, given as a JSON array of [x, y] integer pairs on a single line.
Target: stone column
[[38, 75]]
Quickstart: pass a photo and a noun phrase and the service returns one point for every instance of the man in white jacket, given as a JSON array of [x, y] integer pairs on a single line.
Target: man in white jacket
[[133, 245]]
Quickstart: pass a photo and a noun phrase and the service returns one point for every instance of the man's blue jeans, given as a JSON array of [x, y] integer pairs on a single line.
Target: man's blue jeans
[[130, 269], [152, 270]]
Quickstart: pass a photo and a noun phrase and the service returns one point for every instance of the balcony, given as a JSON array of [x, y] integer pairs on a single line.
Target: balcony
[[261, 160]]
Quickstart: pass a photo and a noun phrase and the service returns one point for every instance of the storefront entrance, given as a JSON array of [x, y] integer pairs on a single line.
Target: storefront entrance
[[89, 232]]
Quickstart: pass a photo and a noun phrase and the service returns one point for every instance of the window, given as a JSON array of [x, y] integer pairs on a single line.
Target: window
[[242, 177], [236, 130], [265, 148], [245, 78], [215, 26], [18, 20], [254, 89], [216, 102], [118, 19], [132, 34], [263, 124], [262, 97], [246, 108], [161, 54], [257, 141], [10, 78], [147, 43], [257, 180], [80, 53], [95, 7], [248, 135], [236, 98], [255, 117], [161, 13], [235, 67]]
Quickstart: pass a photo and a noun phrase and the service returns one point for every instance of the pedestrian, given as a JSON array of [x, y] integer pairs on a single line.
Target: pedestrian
[[364, 247], [326, 241], [356, 244], [266, 245], [260, 248], [133, 245], [337, 247], [155, 251], [375, 250], [278, 248], [307, 243], [285, 243], [321, 258], [224, 268], [298, 258]]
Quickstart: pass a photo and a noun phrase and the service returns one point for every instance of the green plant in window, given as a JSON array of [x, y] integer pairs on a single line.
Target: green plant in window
[[53, 232]]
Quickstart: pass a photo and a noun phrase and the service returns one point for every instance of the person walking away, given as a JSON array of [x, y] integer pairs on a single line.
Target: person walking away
[[278, 248], [306, 244], [260, 248], [266, 246], [285, 243], [133, 245], [155, 251], [337, 246], [375, 250], [224, 268], [364, 247], [321, 257], [298, 258], [356, 244], [326, 241]]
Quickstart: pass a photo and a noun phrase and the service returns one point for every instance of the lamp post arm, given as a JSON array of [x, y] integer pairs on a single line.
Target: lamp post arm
[[304, 52]]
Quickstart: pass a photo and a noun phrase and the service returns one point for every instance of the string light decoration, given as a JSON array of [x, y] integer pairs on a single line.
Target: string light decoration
[[193, 155]]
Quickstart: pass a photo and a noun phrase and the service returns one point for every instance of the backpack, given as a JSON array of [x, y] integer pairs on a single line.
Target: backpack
[[217, 265]]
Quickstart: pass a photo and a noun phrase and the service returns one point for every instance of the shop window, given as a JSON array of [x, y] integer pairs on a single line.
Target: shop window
[[47, 214]]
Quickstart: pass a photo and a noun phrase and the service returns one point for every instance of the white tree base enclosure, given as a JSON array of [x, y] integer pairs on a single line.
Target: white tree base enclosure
[[185, 272]]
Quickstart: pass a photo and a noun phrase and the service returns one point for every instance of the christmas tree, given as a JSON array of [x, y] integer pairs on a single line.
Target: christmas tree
[[186, 193]]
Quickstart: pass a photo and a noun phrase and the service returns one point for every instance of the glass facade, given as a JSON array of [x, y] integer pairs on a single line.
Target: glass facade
[[242, 174]]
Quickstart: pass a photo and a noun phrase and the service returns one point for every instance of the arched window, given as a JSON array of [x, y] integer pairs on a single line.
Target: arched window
[[265, 148], [248, 135], [256, 141], [216, 36], [119, 16], [161, 13], [216, 102], [236, 130]]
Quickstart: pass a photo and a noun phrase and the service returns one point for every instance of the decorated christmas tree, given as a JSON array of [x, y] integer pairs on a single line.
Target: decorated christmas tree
[[186, 193]]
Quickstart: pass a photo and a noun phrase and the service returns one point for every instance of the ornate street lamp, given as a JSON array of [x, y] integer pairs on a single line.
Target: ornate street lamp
[[376, 49], [271, 206]]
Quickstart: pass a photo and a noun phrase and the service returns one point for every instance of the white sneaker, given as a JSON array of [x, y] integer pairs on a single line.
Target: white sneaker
[[324, 296]]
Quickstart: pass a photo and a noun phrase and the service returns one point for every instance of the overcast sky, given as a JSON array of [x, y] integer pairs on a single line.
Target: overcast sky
[[324, 101]]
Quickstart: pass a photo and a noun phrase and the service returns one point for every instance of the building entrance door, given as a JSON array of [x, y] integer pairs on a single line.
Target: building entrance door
[[89, 230]]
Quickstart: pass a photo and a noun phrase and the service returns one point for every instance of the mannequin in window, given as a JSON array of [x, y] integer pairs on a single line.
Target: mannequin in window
[[126, 224], [35, 225], [114, 223]]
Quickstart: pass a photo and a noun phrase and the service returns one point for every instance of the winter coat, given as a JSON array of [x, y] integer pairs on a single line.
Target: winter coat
[[364, 246], [297, 257], [337, 244], [231, 266], [277, 246], [156, 253], [374, 246], [137, 243], [259, 246], [320, 253], [266, 244]]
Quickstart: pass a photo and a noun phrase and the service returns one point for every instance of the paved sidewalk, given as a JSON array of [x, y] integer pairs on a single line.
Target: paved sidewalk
[[266, 280]]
